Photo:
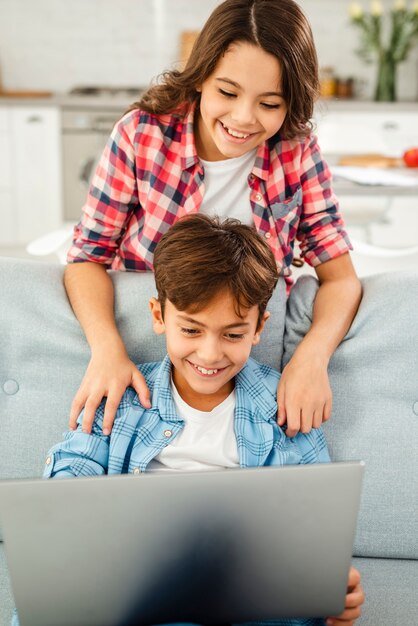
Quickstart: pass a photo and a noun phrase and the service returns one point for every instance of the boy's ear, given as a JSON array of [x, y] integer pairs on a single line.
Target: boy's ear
[[157, 316], [256, 338]]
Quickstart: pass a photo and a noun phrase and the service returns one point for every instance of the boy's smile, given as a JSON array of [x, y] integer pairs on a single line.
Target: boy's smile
[[241, 103], [207, 348]]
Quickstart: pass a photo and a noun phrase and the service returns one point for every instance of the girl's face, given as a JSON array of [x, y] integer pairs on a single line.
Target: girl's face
[[241, 103]]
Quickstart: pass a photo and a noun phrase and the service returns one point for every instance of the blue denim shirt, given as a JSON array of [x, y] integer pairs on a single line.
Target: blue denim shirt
[[139, 434]]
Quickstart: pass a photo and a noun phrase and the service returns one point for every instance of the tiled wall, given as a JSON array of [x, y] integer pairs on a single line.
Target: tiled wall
[[56, 44]]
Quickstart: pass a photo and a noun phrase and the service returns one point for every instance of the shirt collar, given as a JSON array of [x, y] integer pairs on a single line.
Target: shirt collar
[[189, 152], [162, 398], [249, 387]]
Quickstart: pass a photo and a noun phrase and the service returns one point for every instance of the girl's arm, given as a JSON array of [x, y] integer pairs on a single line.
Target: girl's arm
[[304, 393], [110, 371]]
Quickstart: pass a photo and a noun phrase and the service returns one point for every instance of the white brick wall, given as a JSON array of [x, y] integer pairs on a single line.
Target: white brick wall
[[56, 44]]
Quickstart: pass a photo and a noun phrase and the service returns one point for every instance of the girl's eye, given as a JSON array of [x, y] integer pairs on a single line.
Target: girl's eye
[[227, 94], [270, 106], [189, 331], [234, 336]]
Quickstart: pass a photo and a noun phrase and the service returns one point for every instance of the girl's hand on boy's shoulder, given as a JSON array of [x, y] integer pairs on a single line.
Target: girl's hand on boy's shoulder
[[304, 395], [108, 375], [353, 601]]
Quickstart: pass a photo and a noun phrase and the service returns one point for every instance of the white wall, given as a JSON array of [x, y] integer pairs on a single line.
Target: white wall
[[56, 44]]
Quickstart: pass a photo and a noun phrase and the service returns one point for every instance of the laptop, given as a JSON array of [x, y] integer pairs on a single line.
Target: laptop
[[211, 547]]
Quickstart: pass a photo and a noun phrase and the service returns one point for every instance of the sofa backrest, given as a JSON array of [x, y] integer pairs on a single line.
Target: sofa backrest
[[374, 379], [43, 353]]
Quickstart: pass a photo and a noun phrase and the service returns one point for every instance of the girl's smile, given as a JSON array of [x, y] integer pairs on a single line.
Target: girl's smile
[[241, 103]]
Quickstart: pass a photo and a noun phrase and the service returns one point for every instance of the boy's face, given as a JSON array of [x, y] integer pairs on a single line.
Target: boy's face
[[208, 348]]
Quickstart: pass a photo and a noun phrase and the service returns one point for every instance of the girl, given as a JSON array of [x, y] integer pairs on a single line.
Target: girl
[[230, 135]]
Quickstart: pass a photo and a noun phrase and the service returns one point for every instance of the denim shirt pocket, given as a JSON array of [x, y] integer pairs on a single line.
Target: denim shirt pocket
[[286, 215]]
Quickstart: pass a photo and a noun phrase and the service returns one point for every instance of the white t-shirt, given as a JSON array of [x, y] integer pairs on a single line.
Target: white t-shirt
[[227, 193], [207, 441]]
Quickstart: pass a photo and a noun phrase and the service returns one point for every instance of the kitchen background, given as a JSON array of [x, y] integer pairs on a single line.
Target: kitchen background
[[57, 46]]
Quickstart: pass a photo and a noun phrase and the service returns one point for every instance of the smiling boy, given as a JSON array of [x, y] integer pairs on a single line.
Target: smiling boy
[[213, 407]]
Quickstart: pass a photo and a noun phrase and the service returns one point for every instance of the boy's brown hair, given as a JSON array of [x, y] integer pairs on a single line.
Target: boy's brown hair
[[201, 256]]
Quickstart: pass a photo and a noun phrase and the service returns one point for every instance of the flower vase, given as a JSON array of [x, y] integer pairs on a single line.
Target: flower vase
[[386, 79]]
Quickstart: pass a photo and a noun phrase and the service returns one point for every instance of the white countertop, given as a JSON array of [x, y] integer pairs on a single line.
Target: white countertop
[[108, 102]]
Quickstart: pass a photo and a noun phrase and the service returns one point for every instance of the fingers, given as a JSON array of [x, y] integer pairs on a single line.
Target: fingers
[[110, 383], [353, 600], [112, 402], [140, 386], [92, 402]]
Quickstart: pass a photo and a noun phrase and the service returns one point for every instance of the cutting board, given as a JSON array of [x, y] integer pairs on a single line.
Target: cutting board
[[370, 160], [25, 94]]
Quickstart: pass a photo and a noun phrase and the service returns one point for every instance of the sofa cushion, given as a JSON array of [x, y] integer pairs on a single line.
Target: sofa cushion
[[43, 353], [374, 378], [390, 588]]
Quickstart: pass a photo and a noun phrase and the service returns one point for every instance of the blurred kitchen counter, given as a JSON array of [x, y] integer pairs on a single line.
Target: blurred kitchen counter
[[122, 102]]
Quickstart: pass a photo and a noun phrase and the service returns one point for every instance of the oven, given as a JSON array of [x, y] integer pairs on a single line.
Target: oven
[[88, 118]]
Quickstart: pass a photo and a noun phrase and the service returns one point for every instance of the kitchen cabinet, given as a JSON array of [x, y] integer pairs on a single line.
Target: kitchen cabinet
[[31, 172]]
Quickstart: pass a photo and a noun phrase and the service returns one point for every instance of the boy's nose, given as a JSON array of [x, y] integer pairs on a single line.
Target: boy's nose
[[210, 352]]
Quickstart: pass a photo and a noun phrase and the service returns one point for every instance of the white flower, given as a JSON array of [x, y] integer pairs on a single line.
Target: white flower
[[376, 8], [399, 5], [415, 7], [355, 10]]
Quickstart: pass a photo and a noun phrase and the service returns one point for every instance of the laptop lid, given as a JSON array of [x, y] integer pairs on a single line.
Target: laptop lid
[[209, 547]]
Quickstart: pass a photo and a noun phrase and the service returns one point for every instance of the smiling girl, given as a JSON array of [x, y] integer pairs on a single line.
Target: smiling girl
[[230, 134]]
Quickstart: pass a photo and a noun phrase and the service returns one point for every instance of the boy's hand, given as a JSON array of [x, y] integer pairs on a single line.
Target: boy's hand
[[353, 601], [107, 375], [304, 395]]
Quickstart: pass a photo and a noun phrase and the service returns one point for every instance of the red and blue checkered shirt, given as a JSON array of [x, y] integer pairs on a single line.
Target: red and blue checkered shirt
[[150, 175]]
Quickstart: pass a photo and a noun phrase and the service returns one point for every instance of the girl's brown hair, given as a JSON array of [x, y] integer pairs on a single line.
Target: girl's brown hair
[[201, 256], [277, 26]]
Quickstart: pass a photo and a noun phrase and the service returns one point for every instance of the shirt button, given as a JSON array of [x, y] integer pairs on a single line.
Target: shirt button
[[137, 471], [48, 461], [267, 235], [168, 433], [258, 197]]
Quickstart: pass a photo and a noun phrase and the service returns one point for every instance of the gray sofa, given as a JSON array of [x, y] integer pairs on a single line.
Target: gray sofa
[[374, 376]]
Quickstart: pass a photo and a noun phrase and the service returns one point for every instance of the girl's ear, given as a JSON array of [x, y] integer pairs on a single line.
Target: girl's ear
[[157, 316], [257, 335]]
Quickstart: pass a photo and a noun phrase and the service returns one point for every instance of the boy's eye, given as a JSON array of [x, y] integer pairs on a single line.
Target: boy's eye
[[227, 94], [189, 331], [234, 336]]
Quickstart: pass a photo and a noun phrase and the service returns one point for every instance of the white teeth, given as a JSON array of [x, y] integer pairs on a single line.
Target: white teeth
[[205, 371], [235, 133]]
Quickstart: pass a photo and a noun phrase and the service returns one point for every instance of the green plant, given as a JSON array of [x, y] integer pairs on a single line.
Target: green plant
[[389, 48]]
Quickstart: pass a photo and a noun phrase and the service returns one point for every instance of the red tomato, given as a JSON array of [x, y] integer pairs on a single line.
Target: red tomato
[[410, 157]]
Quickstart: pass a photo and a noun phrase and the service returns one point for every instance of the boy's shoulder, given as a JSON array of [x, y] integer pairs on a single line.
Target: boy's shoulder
[[254, 371]]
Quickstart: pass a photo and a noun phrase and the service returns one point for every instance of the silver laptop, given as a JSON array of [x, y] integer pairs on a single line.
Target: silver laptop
[[210, 547]]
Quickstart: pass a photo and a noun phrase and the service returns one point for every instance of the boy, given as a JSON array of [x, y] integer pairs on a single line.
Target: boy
[[213, 406]]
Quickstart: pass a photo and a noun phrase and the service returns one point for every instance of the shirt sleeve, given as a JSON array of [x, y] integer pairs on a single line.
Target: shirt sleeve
[[321, 231], [111, 199], [80, 454]]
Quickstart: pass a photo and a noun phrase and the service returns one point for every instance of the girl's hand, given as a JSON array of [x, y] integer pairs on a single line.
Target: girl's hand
[[353, 601], [107, 375], [304, 394]]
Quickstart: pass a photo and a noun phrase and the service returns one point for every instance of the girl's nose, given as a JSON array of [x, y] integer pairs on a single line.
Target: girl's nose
[[243, 113]]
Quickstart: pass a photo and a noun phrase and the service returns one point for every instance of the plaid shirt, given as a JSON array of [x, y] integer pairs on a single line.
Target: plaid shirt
[[139, 434], [150, 175]]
